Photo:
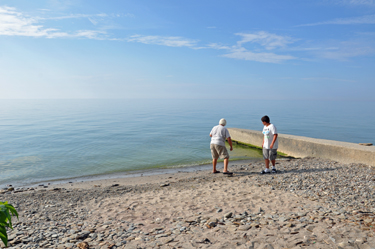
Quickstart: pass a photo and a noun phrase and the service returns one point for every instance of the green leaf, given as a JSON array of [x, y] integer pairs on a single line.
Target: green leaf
[[3, 219], [6, 212], [12, 210], [3, 235], [8, 218], [3, 208]]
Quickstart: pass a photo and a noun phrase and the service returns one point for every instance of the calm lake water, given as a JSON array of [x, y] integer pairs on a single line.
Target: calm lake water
[[58, 139]]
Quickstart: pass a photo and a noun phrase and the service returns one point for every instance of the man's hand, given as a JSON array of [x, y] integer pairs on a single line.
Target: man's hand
[[230, 143], [271, 146]]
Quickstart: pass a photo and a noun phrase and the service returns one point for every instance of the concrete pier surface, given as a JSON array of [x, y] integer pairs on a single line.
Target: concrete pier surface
[[298, 146]]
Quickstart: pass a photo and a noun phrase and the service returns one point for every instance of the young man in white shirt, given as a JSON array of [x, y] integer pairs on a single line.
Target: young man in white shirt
[[218, 136], [270, 145]]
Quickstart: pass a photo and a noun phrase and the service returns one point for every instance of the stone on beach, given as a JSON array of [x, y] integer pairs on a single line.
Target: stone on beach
[[314, 203]]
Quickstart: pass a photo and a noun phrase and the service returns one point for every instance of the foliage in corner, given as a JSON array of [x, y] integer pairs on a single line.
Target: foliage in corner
[[6, 213]]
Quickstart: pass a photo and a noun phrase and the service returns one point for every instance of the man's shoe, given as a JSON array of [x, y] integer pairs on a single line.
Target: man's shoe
[[265, 172], [273, 171]]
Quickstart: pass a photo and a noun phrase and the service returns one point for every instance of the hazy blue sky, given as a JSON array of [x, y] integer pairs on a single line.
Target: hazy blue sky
[[290, 49]]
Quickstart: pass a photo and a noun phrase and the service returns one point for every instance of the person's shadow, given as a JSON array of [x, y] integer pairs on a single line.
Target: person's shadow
[[240, 173]]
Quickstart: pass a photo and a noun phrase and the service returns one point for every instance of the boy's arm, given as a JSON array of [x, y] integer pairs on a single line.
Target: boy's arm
[[263, 142], [273, 140]]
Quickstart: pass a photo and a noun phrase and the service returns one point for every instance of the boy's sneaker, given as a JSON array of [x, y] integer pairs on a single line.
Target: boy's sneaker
[[273, 171], [265, 171]]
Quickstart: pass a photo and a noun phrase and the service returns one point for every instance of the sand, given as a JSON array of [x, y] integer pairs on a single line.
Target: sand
[[192, 210]]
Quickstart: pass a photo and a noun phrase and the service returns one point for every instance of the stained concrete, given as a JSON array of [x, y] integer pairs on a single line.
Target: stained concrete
[[298, 146]]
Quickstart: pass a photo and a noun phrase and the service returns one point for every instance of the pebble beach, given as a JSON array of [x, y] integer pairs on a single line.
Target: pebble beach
[[309, 203]]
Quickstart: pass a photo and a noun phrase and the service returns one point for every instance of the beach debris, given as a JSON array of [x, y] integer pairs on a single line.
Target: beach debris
[[366, 144], [84, 245], [164, 184], [211, 224], [204, 241], [228, 215], [168, 240], [111, 246], [244, 227]]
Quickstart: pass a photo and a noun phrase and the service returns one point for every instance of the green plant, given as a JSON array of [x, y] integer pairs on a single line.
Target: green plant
[[6, 212]]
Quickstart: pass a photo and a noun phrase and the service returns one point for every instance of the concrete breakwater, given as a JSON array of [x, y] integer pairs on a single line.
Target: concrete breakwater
[[298, 146]]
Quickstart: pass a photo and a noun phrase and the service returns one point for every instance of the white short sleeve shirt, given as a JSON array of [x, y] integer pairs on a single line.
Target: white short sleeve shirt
[[219, 134], [268, 132]]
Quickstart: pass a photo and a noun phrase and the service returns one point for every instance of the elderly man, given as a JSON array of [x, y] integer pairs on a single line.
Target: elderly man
[[218, 135]]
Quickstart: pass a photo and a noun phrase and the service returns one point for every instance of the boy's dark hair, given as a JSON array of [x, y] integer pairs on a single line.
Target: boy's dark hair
[[265, 119]]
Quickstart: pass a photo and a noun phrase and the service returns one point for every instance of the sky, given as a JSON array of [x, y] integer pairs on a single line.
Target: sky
[[212, 49]]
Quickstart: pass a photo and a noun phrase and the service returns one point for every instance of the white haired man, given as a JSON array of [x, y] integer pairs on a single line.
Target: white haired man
[[218, 136]]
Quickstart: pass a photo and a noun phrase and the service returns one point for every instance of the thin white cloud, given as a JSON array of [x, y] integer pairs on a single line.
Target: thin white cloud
[[13, 23], [327, 79], [170, 41], [93, 21], [346, 52], [357, 2], [91, 34], [312, 48], [368, 19], [359, 46], [218, 46], [260, 57], [75, 16], [267, 40]]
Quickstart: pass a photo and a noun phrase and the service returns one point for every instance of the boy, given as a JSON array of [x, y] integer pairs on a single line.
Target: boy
[[270, 145]]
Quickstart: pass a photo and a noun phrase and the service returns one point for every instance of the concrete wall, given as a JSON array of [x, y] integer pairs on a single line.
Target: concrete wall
[[298, 146]]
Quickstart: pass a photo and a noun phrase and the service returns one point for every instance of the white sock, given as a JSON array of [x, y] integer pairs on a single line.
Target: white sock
[[266, 170], [273, 167]]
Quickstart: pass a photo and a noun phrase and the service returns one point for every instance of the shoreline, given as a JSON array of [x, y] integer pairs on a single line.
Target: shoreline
[[117, 175], [311, 202]]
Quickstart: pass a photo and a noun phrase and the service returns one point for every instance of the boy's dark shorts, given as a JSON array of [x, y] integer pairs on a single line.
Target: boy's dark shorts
[[270, 154]]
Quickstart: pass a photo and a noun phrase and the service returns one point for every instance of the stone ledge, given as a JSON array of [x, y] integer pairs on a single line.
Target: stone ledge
[[298, 146]]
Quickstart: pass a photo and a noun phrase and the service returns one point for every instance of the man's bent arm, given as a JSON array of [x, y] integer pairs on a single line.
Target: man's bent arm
[[230, 143]]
